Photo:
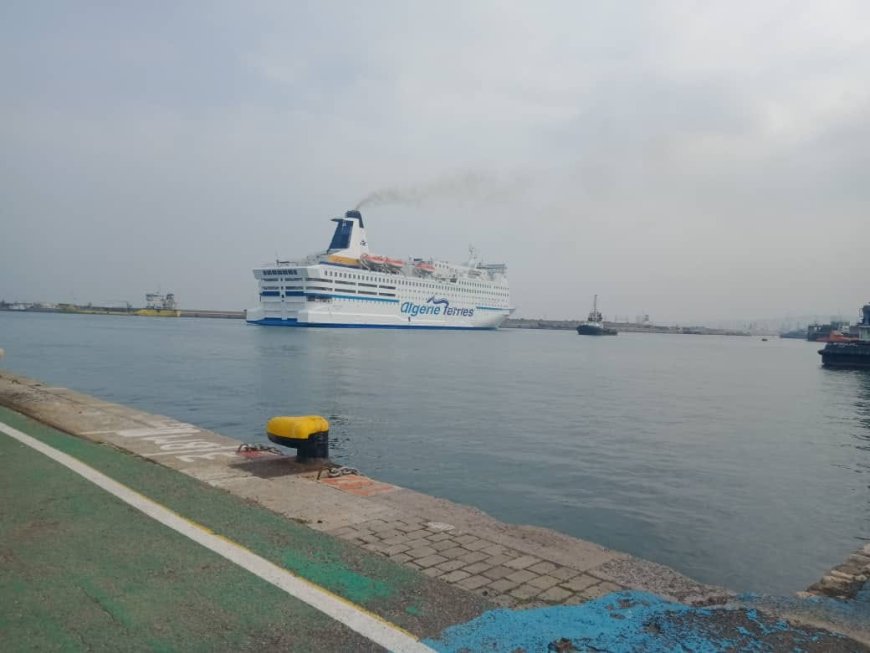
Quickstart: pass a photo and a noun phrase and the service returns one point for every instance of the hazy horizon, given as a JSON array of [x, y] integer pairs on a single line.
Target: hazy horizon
[[697, 162]]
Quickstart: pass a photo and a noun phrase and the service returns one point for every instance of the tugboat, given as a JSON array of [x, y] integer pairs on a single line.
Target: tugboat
[[594, 324], [855, 354]]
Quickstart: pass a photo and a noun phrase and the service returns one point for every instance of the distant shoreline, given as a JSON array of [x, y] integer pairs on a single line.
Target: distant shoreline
[[72, 309], [510, 323]]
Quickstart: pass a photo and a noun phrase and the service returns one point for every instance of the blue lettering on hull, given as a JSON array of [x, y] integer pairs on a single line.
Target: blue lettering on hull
[[435, 307]]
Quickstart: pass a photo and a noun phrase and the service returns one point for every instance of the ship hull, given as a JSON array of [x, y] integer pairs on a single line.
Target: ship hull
[[313, 296], [846, 355], [358, 325], [585, 330]]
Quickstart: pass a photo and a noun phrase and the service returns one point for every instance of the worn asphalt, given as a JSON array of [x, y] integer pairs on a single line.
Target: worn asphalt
[[83, 571]]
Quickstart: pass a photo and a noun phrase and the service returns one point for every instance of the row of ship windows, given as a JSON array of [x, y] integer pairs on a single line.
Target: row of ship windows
[[417, 284], [290, 292], [274, 291], [352, 275], [280, 273]]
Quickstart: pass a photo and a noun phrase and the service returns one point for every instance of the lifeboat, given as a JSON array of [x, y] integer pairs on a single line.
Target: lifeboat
[[425, 268], [838, 336], [394, 263], [373, 262]]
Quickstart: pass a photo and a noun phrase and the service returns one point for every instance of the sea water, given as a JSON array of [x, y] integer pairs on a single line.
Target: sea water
[[736, 461]]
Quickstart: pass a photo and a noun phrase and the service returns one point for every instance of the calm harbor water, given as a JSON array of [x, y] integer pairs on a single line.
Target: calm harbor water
[[736, 461]]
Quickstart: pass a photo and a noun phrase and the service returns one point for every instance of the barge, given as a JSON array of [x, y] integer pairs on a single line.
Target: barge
[[854, 354]]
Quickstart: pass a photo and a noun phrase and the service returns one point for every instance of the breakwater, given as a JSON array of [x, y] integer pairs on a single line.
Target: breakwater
[[624, 327], [88, 309], [510, 323]]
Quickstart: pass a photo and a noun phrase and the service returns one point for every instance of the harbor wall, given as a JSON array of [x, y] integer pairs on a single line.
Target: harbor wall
[[512, 565], [552, 582]]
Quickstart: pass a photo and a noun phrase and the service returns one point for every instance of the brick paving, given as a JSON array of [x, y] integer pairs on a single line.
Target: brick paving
[[508, 577]]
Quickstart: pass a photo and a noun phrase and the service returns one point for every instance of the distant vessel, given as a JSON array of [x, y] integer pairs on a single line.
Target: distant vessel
[[833, 332], [157, 305], [855, 353], [347, 286], [594, 324]]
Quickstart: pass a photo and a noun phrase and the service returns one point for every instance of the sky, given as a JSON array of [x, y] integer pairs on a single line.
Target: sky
[[694, 161]]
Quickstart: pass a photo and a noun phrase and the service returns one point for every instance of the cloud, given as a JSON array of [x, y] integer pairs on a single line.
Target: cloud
[[688, 159]]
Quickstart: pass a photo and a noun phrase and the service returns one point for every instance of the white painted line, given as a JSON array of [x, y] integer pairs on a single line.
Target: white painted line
[[366, 623]]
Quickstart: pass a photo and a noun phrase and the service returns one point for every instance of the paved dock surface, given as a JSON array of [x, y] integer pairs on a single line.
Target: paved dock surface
[[85, 569], [510, 565]]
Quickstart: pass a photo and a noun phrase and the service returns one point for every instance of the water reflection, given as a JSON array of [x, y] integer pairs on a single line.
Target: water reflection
[[862, 400], [856, 385], [849, 392]]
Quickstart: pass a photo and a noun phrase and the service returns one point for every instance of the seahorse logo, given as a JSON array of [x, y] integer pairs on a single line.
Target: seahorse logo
[[432, 300]]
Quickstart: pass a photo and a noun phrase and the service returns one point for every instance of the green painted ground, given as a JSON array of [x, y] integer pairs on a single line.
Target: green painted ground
[[79, 569]]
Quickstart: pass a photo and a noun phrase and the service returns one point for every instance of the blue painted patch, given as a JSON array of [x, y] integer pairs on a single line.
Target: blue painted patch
[[863, 595], [622, 622]]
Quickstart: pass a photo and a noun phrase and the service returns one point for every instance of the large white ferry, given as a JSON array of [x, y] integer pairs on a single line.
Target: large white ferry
[[347, 286]]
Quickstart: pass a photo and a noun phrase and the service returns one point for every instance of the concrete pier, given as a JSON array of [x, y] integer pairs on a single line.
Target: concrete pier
[[507, 564], [510, 565], [418, 562]]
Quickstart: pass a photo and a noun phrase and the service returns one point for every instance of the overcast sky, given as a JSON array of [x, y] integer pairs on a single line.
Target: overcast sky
[[696, 161]]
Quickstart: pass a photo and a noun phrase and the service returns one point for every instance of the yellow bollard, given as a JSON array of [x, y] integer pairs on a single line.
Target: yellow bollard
[[308, 434]]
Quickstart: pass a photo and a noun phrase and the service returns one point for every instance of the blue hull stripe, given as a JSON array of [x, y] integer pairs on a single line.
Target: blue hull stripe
[[273, 321], [360, 297], [492, 308]]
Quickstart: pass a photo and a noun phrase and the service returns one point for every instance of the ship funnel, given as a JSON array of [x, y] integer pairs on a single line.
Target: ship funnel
[[349, 239]]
